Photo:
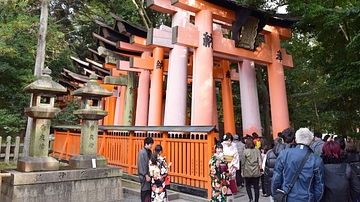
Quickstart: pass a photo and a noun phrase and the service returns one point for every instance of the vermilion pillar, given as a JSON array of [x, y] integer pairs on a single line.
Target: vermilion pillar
[[176, 90], [155, 105], [142, 104], [277, 89], [203, 84], [227, 99], [106, 108], [249, 98], [111, 111], [120, 106]]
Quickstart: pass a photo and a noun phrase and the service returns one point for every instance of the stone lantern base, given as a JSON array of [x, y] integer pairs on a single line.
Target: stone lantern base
[[64, 185], [29, 164], [87, 161]]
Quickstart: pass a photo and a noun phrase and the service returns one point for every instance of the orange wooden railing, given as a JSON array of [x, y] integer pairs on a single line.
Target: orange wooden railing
[[189, 148]]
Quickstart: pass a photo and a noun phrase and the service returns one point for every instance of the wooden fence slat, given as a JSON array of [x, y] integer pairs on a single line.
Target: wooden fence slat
[[189, 154]]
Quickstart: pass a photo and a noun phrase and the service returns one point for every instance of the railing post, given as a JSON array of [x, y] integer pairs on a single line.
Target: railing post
[[131, 151], [17, 149], [102, 150], [165, 136], [64, 146], [7, 150], [209, 149]]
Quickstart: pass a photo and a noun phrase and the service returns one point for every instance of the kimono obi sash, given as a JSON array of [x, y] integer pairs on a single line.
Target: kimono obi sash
[[228, 158]]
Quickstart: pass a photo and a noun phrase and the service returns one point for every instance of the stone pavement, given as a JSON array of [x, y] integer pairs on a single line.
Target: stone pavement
[[132, 194]]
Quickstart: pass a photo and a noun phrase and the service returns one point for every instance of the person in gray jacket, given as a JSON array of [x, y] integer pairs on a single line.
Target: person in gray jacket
[[250, 168], [317, 145], [240, 146], [143, 168]]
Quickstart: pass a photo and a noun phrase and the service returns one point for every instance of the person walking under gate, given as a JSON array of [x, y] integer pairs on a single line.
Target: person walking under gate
[[232, 157], [309, 185], [240, 146], [250, 168]]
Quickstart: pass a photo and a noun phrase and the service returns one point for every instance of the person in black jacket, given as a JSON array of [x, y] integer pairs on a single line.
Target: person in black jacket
[[284, 141], [333, 159]]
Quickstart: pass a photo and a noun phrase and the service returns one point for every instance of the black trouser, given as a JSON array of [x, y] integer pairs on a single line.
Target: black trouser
[[255, 182], [144, 194], [239, 179], [263, 184]]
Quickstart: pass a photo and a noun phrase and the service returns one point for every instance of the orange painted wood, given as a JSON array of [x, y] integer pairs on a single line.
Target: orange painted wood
[[142, 63], [106, 101], [186, 36], [277, 88], [111, 111], [132, 47], [176, 159], [122, 105], [190, 157], [138, 40], [287, 59], [284, 33], [117, 72], [131, 153], [226, 47], [195, 6], [227, 99], [163, 6], [156, 86], [109, 66]]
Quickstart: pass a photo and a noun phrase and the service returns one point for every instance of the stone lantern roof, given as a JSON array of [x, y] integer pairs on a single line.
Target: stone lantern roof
[[92, 89], [45, 84]]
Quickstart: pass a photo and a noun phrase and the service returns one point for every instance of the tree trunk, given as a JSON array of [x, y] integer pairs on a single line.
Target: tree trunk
[[39, 65]]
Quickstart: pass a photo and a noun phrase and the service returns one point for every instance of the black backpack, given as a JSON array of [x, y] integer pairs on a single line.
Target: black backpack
[[337, 185]]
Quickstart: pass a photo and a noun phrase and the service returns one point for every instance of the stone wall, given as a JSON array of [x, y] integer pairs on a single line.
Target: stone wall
[[82, 185]]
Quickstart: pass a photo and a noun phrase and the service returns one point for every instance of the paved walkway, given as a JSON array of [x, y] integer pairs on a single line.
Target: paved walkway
[[241, 196]]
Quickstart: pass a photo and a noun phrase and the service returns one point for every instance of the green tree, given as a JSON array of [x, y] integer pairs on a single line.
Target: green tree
[[334, 30]]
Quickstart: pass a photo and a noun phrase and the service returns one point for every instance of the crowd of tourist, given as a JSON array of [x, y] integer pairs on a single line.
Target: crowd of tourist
[[299, 166]]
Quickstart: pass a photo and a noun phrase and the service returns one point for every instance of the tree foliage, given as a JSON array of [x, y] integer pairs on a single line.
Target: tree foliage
[[322, 87], [332, 57]]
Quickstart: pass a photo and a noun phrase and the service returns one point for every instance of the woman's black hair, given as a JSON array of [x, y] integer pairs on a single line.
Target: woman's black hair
[[219, 145], [228, 136], [154, 156]]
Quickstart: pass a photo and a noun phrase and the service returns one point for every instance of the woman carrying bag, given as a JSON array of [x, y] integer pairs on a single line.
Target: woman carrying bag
[[250, 168]]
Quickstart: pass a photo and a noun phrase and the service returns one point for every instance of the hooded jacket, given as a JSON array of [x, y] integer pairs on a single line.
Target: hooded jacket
[[354, 189], [316, 146], [271, 156]]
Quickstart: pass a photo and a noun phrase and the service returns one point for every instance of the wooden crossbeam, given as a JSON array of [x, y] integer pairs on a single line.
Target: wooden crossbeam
[[218, 12]]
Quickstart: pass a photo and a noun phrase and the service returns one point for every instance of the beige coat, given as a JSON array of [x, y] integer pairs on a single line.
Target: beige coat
[[250, 162]]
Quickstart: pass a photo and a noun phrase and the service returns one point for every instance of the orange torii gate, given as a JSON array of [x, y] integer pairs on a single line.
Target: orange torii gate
[[209, 43]]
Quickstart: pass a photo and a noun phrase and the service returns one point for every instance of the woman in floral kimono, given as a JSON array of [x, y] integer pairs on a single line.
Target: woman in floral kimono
[[232, 157], [219, 175], [158, 171]]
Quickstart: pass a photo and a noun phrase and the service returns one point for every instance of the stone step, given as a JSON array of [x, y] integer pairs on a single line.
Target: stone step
[[133, 188]]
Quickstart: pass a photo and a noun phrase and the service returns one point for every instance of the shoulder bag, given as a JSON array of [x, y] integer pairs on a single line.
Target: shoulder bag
[[281, 195]]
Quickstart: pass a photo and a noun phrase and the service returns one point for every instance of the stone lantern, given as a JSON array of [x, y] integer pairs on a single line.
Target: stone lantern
[[42, 110], [90, 112]]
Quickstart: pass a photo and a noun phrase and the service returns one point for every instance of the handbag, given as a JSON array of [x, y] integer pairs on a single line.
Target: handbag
[[281, 195]]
